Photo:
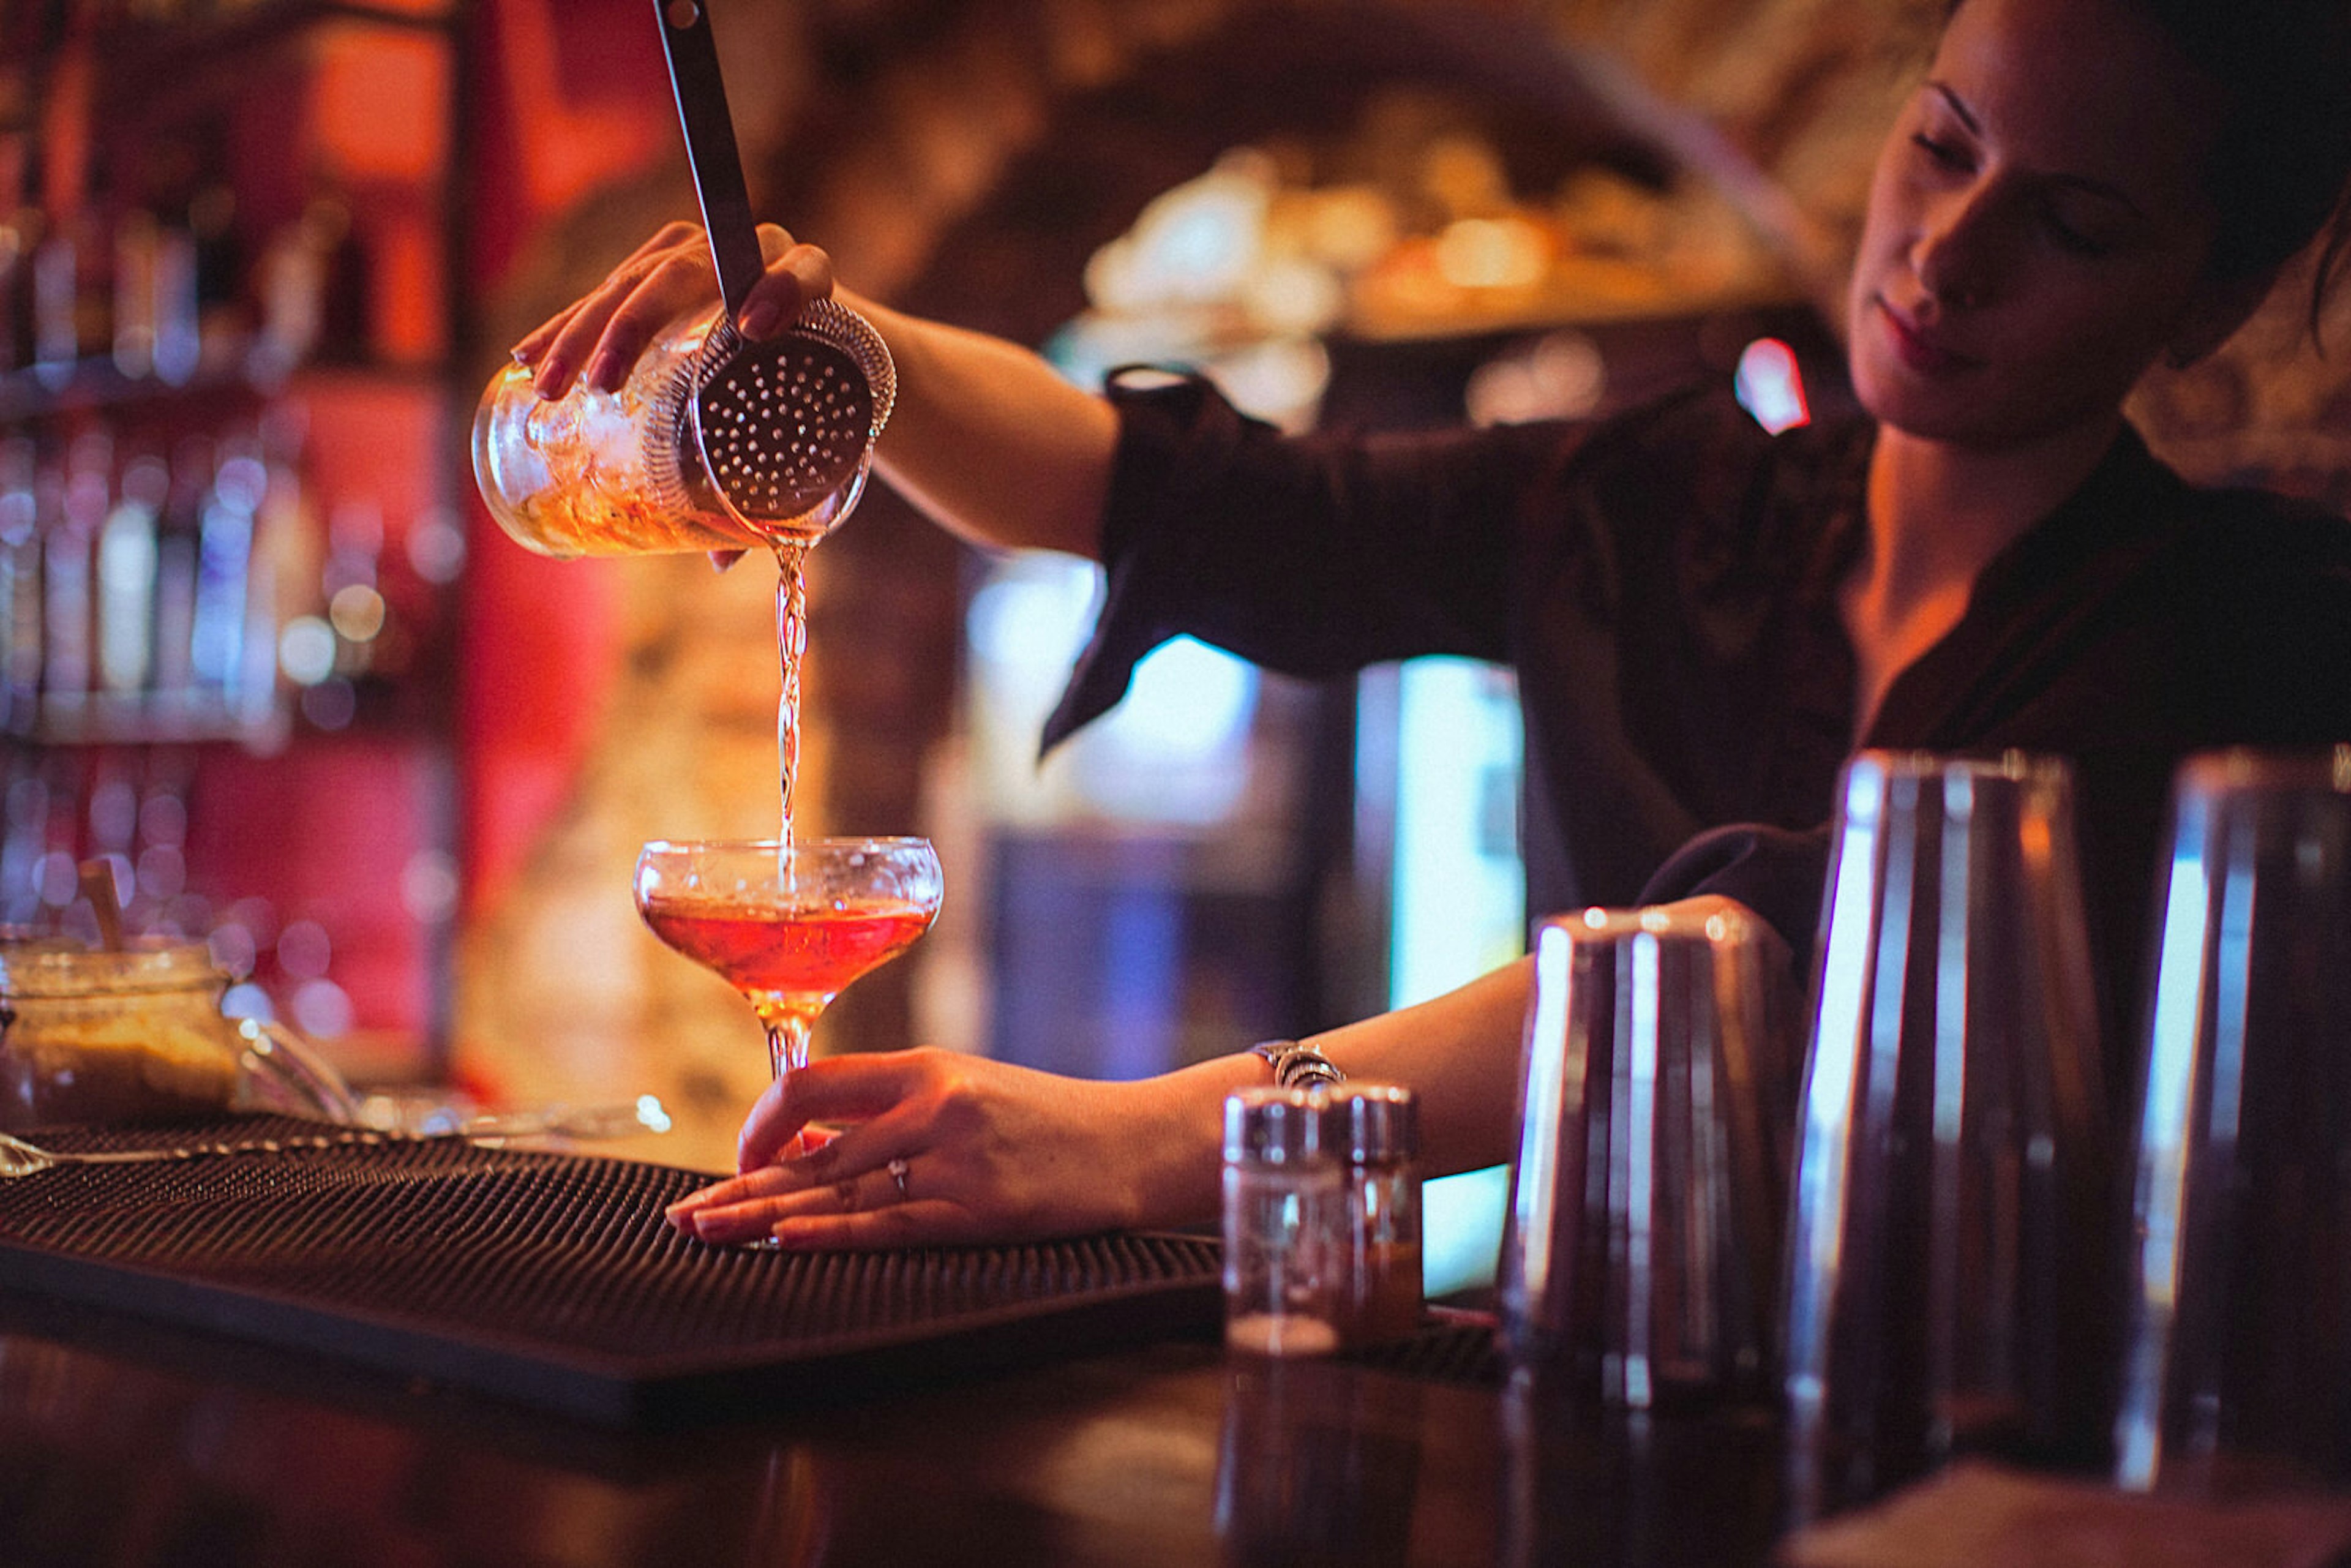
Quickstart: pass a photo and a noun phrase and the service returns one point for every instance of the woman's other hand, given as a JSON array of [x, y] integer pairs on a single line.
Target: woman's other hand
[[670, 274], [942, 1148]]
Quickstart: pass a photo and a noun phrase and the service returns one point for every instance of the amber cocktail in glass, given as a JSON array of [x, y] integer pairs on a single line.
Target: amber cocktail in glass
[[790, 923]]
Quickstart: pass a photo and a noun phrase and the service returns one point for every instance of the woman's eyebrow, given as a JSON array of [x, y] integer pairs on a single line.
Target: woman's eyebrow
[[1967, 116], [2088, 185]]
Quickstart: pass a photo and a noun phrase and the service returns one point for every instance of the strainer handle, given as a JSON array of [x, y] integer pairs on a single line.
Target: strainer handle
[[710, 147]]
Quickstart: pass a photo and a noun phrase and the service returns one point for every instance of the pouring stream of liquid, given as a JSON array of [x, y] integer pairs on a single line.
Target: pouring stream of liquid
[[791, 644]]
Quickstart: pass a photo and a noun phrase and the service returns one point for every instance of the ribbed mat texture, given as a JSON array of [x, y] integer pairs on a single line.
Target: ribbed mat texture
[[521, 1256]]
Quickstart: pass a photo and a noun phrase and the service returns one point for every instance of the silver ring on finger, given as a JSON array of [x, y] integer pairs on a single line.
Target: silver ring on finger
[[897, 1169]]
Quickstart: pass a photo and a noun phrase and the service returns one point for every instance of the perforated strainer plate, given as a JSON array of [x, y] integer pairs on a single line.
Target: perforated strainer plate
[[786, 425], [552, 1280]]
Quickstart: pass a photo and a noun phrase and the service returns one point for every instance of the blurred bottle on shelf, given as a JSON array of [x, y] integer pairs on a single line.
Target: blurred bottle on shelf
[[291, 547], [24, 834], [347, 310], [223, 569], [73, 287], [179, 533], [355, 605], [20, 237], [286, 553], [312, 289], [178, 342], [154, 298], [70, 507], [339, 655], [20, 588], [19, 848], [291, 289], [138, 240], [223, 320], [147, 605], [180, 296], [126, 582], [251, 689], [56, 282]]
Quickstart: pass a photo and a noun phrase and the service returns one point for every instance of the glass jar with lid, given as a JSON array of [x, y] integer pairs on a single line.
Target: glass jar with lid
[[1284, 1249], [1373, 1131], [136, 1033]]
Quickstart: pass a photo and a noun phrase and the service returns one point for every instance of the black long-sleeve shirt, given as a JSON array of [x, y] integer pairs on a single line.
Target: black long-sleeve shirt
[[1665, 585]]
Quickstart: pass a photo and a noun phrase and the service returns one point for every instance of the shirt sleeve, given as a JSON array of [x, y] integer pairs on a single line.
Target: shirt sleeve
[[1779, 874], [1309, 555]]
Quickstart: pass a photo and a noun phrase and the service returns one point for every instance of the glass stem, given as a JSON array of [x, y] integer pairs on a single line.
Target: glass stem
[[787, 1044]]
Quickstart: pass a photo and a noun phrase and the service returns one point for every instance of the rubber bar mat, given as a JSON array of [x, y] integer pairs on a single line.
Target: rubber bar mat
[[551, 1280]]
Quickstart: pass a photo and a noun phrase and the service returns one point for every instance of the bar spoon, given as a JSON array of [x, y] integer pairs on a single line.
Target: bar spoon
[[643, 1114]]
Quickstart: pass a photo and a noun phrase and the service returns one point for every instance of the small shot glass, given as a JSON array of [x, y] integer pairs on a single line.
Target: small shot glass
[[1373, 1130], [1285, 1255]]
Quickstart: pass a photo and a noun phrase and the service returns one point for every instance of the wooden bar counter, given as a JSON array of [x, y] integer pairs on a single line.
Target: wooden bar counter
[[123, 1443], [308, 1347]]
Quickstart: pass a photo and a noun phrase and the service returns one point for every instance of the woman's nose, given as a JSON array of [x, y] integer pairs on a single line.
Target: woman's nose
[[1957, 252]]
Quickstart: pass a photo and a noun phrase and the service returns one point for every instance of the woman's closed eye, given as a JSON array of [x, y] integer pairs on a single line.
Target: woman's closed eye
[[1944, 154], [2088, 219], [2068, 236]]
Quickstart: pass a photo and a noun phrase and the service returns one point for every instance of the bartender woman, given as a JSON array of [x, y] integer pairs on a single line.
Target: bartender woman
[[1705, 619]]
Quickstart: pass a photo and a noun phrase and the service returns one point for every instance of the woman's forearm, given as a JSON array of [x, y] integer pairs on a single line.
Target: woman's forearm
[[1458, 1053], [990, 441]]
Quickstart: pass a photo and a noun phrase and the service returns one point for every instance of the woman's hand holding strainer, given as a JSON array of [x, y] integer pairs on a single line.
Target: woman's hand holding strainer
[[606, 329]]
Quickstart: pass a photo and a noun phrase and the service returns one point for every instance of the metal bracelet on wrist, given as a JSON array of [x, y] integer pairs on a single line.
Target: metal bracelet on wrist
[[1297, 1066]]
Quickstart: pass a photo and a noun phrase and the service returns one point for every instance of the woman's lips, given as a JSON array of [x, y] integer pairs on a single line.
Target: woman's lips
[[1919, 347]]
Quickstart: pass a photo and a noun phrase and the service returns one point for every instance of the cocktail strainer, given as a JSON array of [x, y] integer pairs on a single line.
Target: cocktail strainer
[[785, 426]]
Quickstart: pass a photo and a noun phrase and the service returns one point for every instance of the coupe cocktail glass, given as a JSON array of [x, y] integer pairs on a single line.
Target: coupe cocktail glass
[[790, 923]]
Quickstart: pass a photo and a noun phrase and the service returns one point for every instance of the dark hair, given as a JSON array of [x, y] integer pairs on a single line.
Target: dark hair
[[2284, 158], [2284, 153]]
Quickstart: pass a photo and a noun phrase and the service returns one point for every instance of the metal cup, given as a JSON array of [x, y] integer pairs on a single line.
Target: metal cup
[[1641, 1243], [2237, 1362], [1945, 1244]]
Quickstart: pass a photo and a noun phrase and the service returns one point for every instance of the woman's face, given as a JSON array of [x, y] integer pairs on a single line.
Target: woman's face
[[2038, 225]]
